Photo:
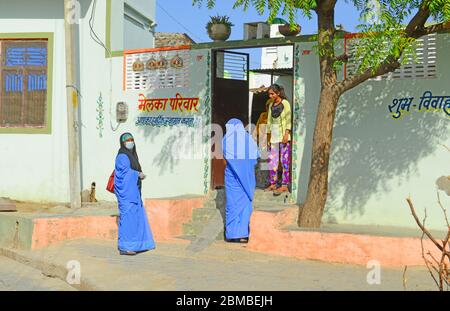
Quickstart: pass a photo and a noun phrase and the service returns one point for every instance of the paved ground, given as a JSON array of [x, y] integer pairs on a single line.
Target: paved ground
[[18, 277], [218, 267]]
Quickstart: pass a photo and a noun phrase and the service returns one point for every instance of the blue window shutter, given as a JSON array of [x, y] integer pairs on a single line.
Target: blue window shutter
[[36, 57], [37, 82], [14, 82], [23, 56]]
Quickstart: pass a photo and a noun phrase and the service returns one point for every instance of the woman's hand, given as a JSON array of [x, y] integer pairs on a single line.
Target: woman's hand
[[285, 138], [142, 175]]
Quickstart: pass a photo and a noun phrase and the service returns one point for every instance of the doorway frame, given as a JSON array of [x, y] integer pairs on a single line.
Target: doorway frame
[[297, 99], [214, 81]]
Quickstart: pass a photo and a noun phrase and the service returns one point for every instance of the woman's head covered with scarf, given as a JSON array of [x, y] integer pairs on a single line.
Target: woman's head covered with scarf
[[238, 143], [241, 153], [127, 138]]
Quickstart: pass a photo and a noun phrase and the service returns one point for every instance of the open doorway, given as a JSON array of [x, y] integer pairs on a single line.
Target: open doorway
[[239, 90]]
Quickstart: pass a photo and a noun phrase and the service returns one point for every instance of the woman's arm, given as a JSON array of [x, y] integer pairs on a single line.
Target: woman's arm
[[269, 124], [269, 118], [286, 116]]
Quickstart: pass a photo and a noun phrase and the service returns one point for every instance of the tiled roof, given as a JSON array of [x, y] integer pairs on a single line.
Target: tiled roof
[[163, 39]]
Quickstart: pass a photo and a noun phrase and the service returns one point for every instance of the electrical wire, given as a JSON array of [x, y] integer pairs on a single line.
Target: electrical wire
[[92, 31], [97, 40]]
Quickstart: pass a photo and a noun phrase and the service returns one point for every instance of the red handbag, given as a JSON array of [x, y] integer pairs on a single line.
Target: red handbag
[[110, 185]]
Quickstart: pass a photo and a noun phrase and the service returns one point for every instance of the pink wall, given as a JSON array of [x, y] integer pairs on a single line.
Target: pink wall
[[267, 237], [166, 218]]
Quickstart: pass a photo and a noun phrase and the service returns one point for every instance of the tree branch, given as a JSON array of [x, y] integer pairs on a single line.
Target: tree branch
[[442, 266], [443, 210], [432, 257], [427, 262], [445, 147], [388, 65], [419, 19], [431, 29], [421, 226], [405, 280], [342, 58], [415, 29]]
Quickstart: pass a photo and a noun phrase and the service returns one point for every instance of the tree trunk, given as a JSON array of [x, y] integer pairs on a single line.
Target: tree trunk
[[310, 214]]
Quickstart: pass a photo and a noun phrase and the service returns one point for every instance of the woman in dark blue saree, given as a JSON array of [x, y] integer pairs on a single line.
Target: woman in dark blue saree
[[134, 230], [241, 154]]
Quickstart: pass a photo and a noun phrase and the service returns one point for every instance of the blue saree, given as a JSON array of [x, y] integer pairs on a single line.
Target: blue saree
[[134, 230], [241, 153]]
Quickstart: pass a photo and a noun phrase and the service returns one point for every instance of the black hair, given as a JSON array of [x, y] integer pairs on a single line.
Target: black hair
[[279, 90]]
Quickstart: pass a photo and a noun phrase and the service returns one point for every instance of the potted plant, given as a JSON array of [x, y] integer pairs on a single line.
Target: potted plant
[[286, 30], [219, 28]]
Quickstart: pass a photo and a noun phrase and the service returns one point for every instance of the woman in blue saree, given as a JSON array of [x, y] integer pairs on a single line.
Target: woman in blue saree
[[135, 235], [241, 154]]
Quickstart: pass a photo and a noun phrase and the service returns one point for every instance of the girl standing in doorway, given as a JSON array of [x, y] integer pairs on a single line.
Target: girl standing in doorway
[[279, 126]]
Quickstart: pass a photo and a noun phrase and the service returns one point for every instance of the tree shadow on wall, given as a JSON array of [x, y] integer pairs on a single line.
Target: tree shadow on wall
[[178, 142], [177, 145], [367, 153]]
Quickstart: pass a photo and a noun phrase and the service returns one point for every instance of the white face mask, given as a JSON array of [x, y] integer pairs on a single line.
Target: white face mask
[[129, 145]]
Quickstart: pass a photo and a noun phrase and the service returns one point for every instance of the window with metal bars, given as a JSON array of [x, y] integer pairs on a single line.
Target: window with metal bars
[[422, 66], [23, 81]]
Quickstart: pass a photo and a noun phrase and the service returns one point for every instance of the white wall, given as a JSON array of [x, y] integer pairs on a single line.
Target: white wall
[[158, 148], [136, 35], [167, 175], [35, 167], [276, 56], [145, 7], [125, 32], [378, 162]]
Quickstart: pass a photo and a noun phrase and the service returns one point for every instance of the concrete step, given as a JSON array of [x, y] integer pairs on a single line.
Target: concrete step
[[194, 230], [208, 222], [261, 196], [189, 229], [209, 204], [272, 206], [204, 214], [217, 194]]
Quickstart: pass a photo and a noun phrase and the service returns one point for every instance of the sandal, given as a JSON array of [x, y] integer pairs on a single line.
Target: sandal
[[281, 190], [270, 188], [239, 240], [128, 253]]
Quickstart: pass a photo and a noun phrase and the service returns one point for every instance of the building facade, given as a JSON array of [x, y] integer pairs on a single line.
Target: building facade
[[33, 113], [388, 137]]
